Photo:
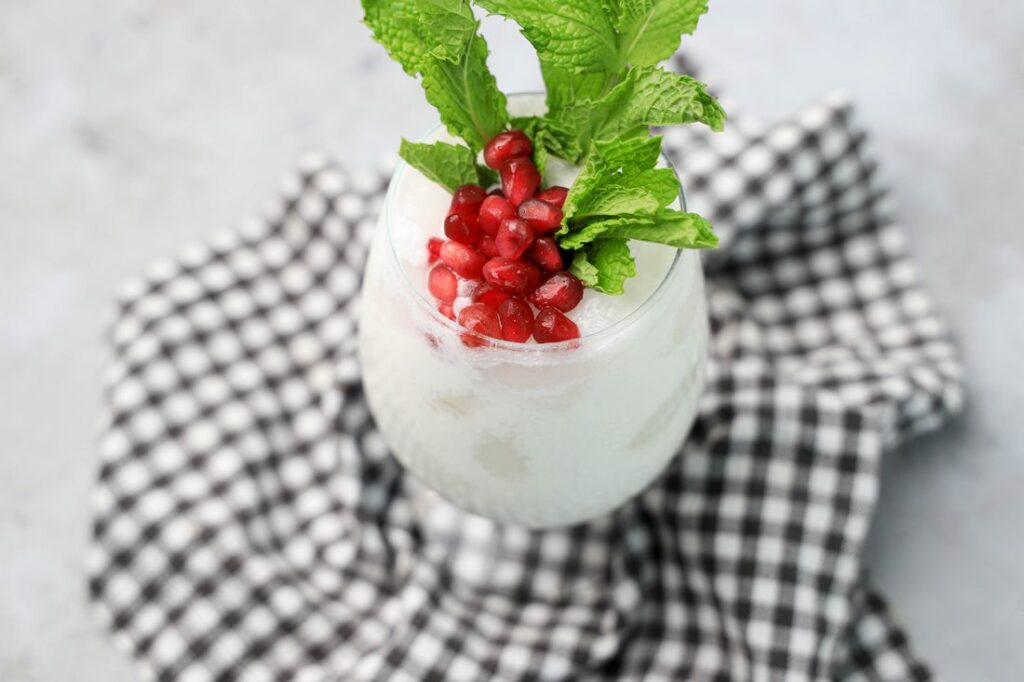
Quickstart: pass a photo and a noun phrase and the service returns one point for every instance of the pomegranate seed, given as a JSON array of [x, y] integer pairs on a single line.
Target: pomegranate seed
[[487, 246], [434, 249], [482, 319], [442, 284], [488, 295], [533, 277], [544, 252], [516, 320], [514, 237], [554, 195], [510, 276], [561, 290], [510, 144], [466, 262], [467, 199], [542, 216], [551, 326], [461, 227], [519, 180], [446, 310], [494, 210]]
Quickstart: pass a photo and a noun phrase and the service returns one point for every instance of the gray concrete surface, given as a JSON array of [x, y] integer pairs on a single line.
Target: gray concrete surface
[[128, 127]]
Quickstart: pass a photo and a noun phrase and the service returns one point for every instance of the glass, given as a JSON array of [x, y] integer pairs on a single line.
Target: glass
[[534, 434]]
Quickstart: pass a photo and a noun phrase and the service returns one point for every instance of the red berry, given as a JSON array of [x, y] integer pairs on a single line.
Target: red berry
[[489, 295], [511, 276], [554, 195], [561, 290], [514, 237], [434, 249], [467, 199], [482, 319], [446, 310], [542, 216], [551, 326], [519, 180], [461, 227], [486, 245], [544, 252], [466, 262], [510, 144], [516, 320], [442, 284], [494, 210]]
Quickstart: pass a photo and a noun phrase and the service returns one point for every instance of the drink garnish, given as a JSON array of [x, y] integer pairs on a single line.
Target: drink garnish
[[605, 91]]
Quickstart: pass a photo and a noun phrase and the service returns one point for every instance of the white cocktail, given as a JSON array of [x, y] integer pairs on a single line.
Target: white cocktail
[[527, 433]]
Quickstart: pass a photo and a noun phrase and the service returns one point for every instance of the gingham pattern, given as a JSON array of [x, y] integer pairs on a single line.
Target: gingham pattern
[[250, 524]]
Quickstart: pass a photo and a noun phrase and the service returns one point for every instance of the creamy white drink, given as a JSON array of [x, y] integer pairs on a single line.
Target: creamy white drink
[[527, 433]]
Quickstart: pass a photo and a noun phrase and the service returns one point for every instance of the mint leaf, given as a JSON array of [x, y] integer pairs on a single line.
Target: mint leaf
[[555, 137], [449, 165], [565, 87], [466, 95], [614, 199], [667, 226], [661, 184], [649, 30], [587, 183], [437, 40], [584, 270], [605, 266], [576, 35], [649, 96], [488, 176], [630, 154], [619, 177], [412, 31]]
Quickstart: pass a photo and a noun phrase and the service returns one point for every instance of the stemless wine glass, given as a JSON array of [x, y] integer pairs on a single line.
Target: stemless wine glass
[[534, 434]]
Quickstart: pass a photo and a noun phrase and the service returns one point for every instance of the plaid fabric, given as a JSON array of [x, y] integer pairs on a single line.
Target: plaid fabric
[[251, 525]]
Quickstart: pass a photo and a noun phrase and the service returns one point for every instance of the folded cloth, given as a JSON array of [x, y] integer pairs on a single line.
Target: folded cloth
[[250, 523]]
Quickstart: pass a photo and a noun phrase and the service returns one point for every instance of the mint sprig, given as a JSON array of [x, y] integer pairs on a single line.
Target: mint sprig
[[620, 195], [604, 92], [449, 165], [437, 40]]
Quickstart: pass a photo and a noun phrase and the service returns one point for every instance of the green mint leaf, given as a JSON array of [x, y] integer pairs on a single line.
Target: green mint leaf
[[565, 87], [667, 226], [590, 230], [488, 177], [414, 30], [449, 165], [619, 177], [649, 96], [605, 266], [556, 138], [614, 199], [466, 95], [576, 35], [630, 154], [586, 185], [660, 184], [649, 30], [584, 270], [654, 97]]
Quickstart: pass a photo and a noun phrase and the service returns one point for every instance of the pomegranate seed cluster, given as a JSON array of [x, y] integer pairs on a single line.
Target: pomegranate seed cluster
[[499, 246]]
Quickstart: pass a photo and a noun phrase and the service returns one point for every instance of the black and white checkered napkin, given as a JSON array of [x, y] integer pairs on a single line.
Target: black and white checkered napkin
[[250, 523]]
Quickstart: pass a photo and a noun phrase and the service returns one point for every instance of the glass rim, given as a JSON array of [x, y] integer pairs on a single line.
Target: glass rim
[[431, 307]]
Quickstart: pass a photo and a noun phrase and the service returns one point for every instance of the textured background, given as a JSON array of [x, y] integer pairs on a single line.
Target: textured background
[[129, 127]]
